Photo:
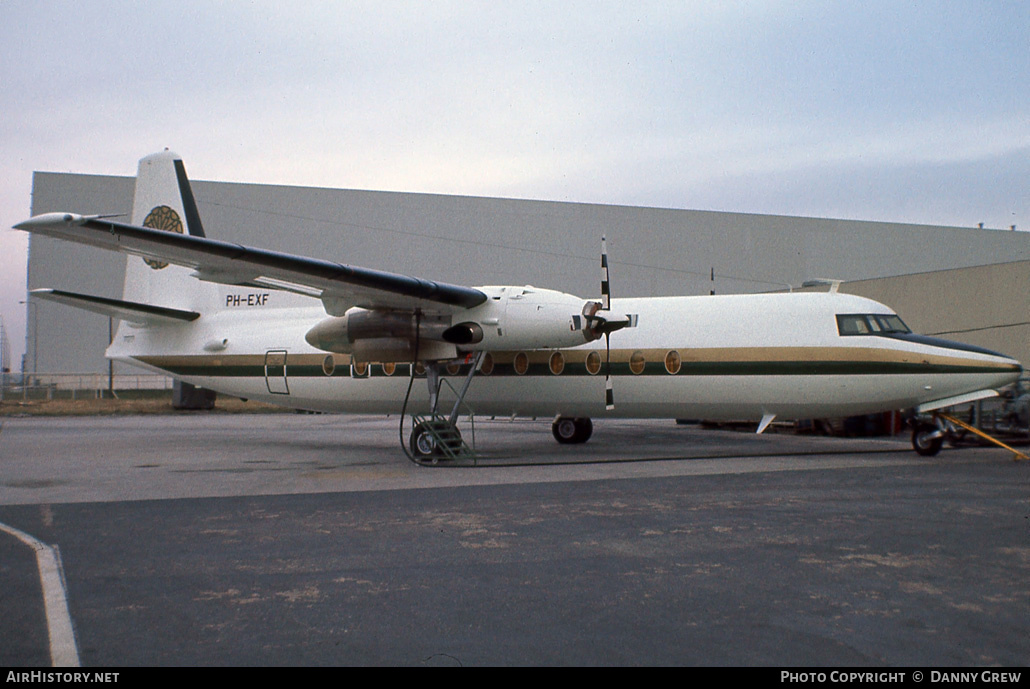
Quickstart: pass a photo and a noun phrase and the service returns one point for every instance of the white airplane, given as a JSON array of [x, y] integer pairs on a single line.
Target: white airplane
[[312, 334]]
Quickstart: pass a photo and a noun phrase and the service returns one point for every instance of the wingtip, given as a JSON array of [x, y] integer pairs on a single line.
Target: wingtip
[[44, 220]]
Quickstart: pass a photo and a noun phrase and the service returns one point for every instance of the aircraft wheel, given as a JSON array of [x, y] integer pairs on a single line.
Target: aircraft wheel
[[423, 444], [572, 431], [927, 439]]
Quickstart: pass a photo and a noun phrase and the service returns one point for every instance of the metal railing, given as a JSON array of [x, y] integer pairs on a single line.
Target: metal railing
[[49, 386]]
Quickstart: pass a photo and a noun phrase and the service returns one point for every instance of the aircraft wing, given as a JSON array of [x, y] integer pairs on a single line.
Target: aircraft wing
[[338, 285]]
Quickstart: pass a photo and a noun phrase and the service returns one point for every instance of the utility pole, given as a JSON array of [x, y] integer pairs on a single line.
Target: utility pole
[[110, 362], [31, 304], [5, 358]]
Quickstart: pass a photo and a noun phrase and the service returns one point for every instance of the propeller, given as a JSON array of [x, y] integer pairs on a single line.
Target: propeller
[[598, 324], [606, 305]]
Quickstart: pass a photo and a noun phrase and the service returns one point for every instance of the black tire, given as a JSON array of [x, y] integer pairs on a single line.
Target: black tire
[[572, 431], [423, 444], [927, 439]]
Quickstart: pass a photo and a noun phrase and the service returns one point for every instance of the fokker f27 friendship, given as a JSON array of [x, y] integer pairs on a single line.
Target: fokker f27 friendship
[[331, 337]]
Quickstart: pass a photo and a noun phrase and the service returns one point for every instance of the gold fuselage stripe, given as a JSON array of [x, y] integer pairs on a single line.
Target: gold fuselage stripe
[[702, 361]]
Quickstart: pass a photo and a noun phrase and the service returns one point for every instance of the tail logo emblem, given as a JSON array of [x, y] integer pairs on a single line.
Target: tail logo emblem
[[162, 218]]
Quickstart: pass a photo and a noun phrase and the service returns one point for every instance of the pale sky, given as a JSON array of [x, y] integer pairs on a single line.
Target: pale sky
[[900, 111]]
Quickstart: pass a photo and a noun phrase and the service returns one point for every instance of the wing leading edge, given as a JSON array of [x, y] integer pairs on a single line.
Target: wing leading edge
[[225, 262]]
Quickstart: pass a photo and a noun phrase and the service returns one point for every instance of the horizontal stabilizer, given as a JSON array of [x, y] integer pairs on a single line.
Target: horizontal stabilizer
[[142, 314]]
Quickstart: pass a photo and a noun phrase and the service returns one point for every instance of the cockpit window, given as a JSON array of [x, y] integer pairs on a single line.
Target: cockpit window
[[870, 324]]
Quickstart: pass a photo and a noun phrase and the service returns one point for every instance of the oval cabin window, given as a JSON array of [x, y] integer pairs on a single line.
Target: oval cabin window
[[328, 365], [672, 362], [593, 363], [487, 367], [557, 363], [636, 362], [521, 363]]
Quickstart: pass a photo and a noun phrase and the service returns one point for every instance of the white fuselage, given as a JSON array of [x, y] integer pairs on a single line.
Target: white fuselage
[[715, 357]]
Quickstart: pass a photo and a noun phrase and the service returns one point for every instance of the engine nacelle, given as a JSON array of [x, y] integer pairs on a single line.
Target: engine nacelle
[[525, 318], [358, 327], [391, 349]]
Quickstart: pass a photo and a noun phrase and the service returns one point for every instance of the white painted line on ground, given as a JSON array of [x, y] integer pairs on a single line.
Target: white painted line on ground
[[63, 651]]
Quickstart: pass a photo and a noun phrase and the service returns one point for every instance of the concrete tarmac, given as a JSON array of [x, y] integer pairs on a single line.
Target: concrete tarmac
[[280, 539]]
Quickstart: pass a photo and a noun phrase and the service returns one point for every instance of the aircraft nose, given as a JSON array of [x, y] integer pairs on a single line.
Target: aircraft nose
[[1013, 366], [996, 370], [1009, 370]]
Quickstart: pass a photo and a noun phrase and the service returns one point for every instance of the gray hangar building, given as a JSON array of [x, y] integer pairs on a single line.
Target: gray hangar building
[[966, 284]]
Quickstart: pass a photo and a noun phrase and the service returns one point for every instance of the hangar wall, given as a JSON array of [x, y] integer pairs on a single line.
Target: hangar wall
[[475, 241]]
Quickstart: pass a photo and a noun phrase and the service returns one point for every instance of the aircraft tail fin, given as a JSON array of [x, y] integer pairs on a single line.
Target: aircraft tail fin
[[164, 201], [164, 196]]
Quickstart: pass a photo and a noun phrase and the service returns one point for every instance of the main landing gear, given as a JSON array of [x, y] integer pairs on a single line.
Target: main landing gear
[[436, 436], [572, 431]]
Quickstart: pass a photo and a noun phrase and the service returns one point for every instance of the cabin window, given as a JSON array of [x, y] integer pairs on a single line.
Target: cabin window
[[593, 363], [672, 362], [389, 367], [521, 363], [453, 369], [487, 367], [636, 362], [870, 324], [557, 363], [328, 365], [359, 369]]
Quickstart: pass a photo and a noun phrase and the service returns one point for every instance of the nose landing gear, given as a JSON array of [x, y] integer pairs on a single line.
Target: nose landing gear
[[927, 438]]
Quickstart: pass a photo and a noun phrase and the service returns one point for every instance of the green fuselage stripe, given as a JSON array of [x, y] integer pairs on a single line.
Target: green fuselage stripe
[[184, 367]]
